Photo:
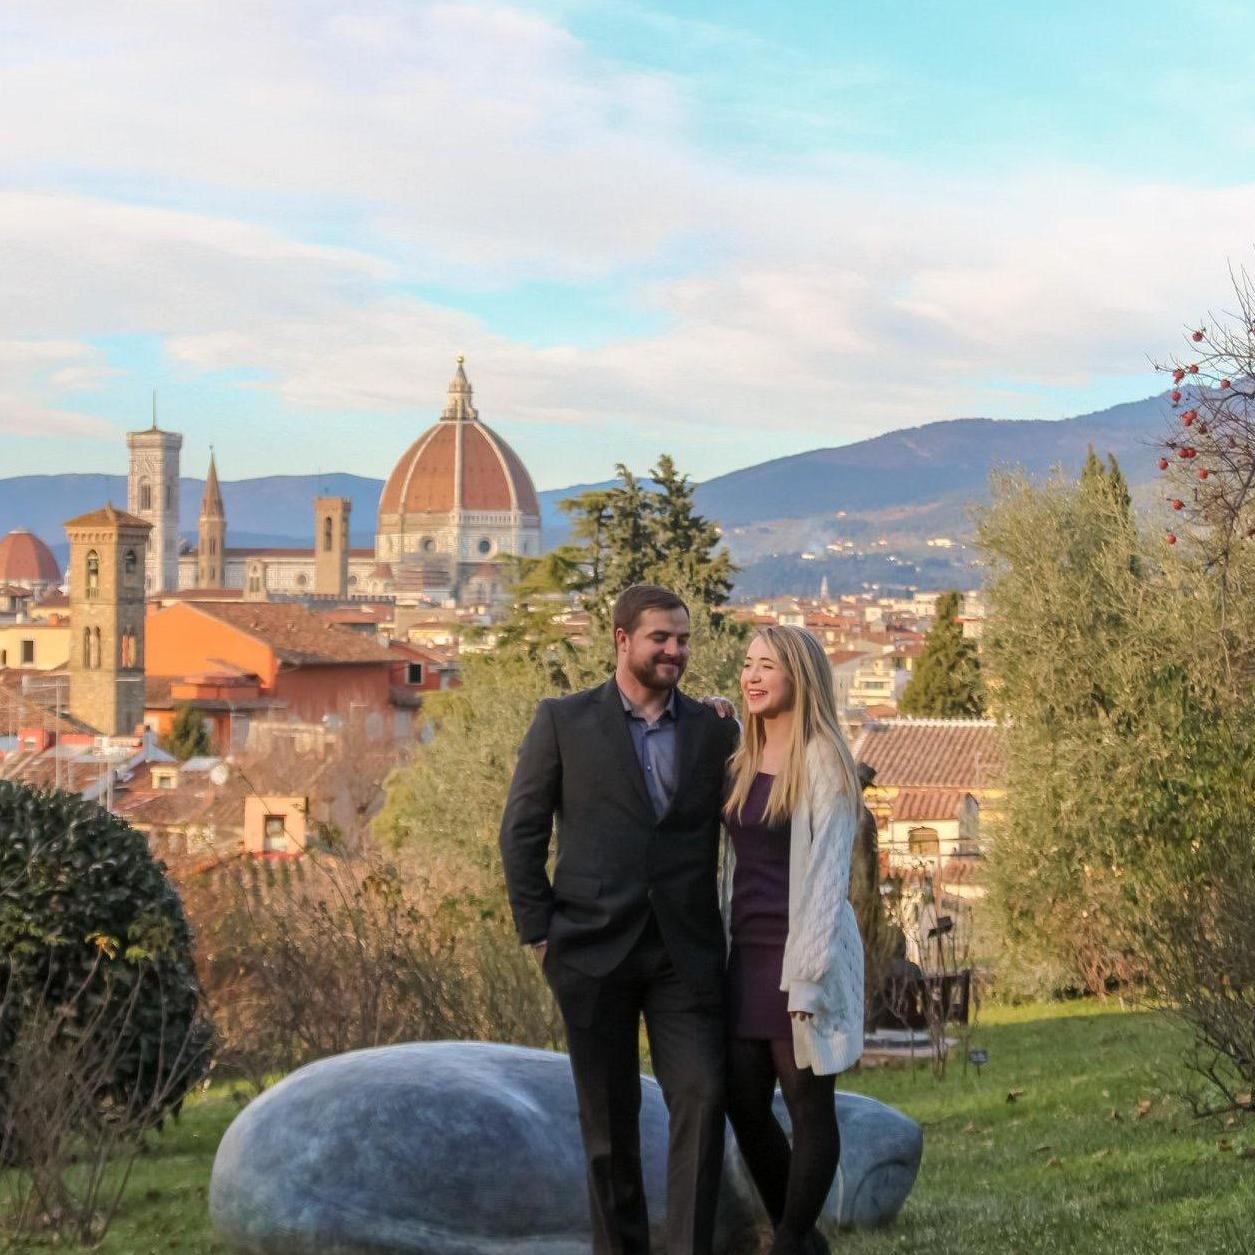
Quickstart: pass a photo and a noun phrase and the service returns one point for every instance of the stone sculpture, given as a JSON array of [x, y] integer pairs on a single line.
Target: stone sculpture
[[472, 1148]]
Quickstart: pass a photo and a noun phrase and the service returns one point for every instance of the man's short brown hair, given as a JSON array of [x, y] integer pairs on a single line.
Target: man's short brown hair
[[633, 601]]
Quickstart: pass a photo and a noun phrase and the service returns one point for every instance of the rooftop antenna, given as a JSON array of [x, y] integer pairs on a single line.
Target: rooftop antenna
[[154, 409]]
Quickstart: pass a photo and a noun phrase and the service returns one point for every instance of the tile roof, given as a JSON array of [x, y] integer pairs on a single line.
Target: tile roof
[[932, 753], [298, 636], [918, 805], [109, 516]]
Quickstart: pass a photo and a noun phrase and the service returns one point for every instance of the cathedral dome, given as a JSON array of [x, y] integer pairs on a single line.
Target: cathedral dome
[[26, 560], [457, 464]]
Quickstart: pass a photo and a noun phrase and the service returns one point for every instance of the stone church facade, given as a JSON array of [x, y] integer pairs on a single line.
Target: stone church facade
[[456, 504]]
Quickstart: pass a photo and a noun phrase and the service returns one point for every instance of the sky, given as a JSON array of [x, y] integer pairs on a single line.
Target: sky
[[726, 231]]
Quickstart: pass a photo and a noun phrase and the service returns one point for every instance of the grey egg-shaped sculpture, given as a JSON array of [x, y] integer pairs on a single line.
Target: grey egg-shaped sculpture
[[471, 1148]]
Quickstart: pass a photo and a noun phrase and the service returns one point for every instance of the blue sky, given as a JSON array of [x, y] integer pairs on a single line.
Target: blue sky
[[729, 232]]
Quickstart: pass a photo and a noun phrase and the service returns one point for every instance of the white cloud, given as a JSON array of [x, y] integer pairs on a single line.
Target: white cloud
[[26, 369], [180, 170]]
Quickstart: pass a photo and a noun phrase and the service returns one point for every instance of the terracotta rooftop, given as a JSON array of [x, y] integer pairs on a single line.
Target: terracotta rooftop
[[109, 516], [23, 556], [920, 805], [298, 636], [839, 656], [932, 753]]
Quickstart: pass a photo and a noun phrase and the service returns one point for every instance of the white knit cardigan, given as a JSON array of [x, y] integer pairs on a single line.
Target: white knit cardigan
[[823, 955]]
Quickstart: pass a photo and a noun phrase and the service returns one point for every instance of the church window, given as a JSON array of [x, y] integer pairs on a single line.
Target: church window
[[95, 649], [327, 530], [87, 649], [485, 546], [301, 581], [145, 495], [93, 573], [130, 565]]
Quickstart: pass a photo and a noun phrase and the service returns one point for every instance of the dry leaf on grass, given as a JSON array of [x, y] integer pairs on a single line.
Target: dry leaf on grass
[[1012, 1095]]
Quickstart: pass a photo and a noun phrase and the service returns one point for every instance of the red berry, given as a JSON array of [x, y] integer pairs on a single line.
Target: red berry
[[1163, 464], [1177, 505], [1224, 383], [1197, 336], [1189, 416], [1178, 375], [1183, 452], [1170, 538], [1176, 396], [1203, 472], [1194, 370]]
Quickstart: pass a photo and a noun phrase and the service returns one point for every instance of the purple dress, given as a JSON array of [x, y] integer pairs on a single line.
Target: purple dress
[[757, 1007]]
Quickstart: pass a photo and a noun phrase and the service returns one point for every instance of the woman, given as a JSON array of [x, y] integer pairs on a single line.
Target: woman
[[795, 971]]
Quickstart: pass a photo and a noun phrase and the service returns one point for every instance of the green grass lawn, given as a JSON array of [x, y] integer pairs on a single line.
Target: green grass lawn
[[1050, 1172]]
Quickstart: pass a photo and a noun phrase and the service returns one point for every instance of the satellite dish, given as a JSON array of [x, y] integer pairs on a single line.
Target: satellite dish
[[220, 774]]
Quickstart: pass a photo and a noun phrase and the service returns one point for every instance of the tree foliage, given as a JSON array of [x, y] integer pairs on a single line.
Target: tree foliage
[[87, 915], [1126, 852], [947, 680], [630, 534], [188, 735]]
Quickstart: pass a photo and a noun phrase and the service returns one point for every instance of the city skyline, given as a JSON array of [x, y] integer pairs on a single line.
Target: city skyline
[[723, 233]]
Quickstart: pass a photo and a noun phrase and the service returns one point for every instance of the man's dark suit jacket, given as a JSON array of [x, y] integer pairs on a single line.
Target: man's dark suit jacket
[[617, 860]]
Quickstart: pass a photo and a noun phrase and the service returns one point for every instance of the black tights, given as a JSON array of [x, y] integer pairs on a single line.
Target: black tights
[[793, 1184]]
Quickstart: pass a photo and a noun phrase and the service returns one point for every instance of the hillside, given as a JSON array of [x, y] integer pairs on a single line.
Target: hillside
[[875, 502]]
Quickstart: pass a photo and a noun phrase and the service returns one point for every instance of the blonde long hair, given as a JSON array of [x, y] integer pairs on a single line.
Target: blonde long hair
[[814, 719]]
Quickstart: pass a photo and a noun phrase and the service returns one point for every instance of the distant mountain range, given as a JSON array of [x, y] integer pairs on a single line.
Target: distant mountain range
[[858, 514]]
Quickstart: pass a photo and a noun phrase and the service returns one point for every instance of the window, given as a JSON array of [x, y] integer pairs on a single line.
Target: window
[[145, 495], [93, 573], [4, 657], [924, 842], [301, 581], [130, 566], [414, 673], [28, 652], [327, 531], [87, 649], [429, 544], [485, 546], [273, 835]]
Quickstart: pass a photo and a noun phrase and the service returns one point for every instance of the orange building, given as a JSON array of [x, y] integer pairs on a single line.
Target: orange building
[[296, 659]]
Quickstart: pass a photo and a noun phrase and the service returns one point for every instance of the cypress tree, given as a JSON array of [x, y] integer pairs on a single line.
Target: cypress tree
[[947, 680]]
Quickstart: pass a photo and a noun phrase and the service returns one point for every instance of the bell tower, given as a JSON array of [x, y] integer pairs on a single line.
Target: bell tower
[[152, 494], [107, 604], [331, 546], [211, 562]]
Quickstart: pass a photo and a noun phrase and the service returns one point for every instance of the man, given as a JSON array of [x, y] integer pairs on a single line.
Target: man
[[633, 773]]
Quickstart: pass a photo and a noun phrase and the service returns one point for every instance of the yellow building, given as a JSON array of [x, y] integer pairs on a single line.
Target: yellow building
[[39, 645]]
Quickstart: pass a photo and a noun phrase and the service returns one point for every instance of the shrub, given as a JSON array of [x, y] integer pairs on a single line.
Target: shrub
[[92, 932]]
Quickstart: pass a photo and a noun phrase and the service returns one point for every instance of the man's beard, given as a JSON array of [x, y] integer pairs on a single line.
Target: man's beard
[[648, 673]]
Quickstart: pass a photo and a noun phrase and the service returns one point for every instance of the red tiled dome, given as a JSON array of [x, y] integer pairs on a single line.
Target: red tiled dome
[[493, 476], [25, 559]]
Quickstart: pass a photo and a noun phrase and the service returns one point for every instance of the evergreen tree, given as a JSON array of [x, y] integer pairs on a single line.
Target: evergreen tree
[[188, 735], [631, 534], [947, 679]]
